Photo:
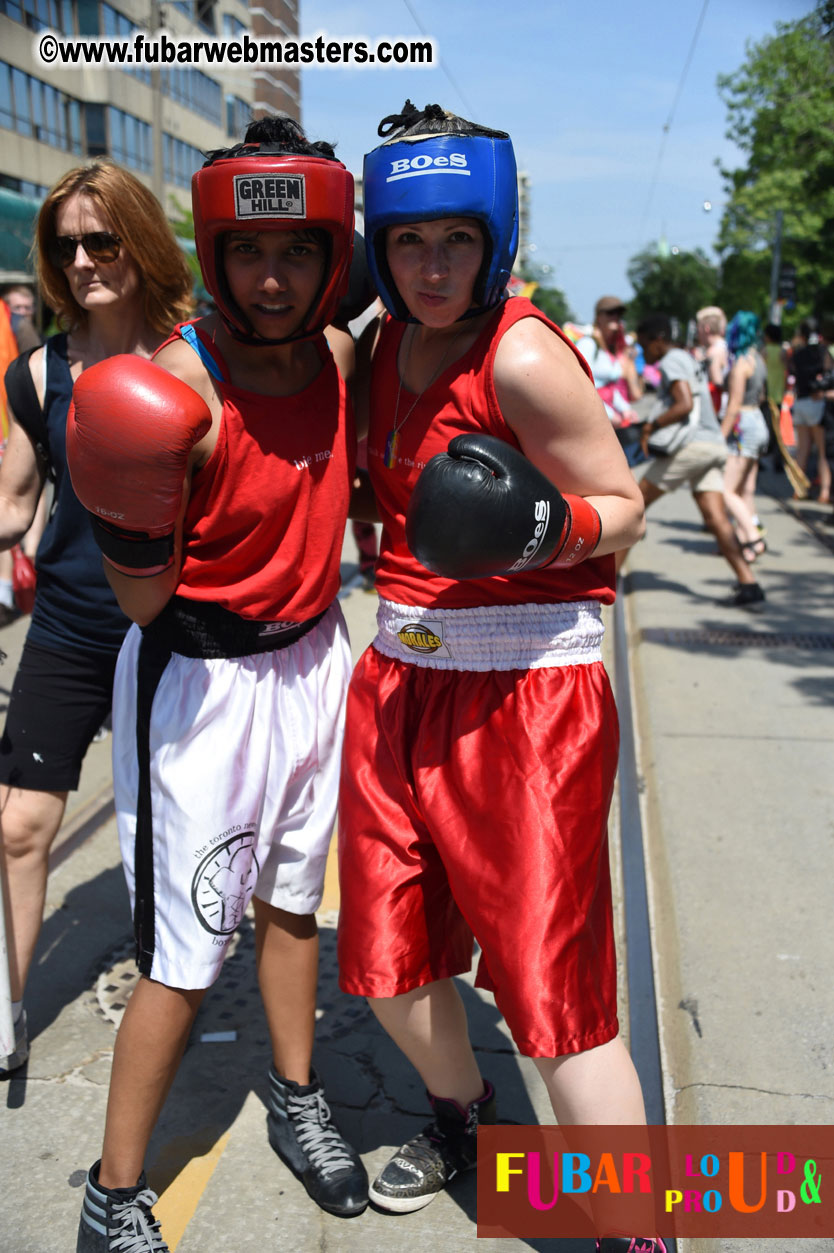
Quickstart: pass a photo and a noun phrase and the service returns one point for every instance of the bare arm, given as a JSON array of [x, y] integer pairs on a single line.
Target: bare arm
[[22, 477], [739, 375], [365, 349], [554, 410], [344, 352], [717, 359], [635, 387]]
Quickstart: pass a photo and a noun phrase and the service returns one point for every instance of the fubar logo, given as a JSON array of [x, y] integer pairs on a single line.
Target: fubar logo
[[275, 196], [413, 167]]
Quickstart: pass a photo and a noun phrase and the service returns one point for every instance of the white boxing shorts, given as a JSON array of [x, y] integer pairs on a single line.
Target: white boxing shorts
[[225, 772]]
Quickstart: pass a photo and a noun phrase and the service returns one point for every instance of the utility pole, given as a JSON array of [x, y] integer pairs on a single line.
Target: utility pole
[[157, 178], [775, 266]]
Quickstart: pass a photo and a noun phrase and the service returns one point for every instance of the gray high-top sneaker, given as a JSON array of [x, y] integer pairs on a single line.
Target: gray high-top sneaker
[[118, 1220], [302, 1133]]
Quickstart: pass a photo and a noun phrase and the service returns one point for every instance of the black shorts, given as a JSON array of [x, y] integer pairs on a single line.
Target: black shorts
[[59, 701]]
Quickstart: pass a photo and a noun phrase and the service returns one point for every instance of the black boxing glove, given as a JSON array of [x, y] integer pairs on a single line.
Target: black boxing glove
[[483, 509]]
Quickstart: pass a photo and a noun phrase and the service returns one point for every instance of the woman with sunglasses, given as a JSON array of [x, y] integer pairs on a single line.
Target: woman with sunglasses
[[111, 269]]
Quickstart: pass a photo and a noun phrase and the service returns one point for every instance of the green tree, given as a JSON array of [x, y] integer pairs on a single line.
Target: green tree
[[678, 284], [183, 227], [553, 304], [780, 113]]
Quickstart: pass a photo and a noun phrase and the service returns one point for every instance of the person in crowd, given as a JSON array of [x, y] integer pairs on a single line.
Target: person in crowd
[[684, 397], [614, 371], [109, 264], [826, 334], [8, 351], [19, 299], [809, 360], [745, 430], [711, 323], [441, 835], [232, 502], [776, 362]]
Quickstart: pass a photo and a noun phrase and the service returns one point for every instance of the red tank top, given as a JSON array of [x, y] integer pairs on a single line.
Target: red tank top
[[461, 399], [266, 517]]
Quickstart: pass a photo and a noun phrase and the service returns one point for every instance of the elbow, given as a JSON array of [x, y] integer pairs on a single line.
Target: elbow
[[638, 519]]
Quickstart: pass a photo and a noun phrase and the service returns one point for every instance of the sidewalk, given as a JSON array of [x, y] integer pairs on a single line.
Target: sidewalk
[[735, 750], [736, 736]]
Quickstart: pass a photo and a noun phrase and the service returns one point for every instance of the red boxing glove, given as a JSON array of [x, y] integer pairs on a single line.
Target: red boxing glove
[[130, 429]]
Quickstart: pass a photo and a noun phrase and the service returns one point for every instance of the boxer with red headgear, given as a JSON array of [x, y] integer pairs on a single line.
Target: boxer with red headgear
[[482, 740], [218, 477]]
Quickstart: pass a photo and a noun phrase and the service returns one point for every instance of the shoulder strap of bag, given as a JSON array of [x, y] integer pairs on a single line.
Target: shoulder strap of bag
[[23, 399]]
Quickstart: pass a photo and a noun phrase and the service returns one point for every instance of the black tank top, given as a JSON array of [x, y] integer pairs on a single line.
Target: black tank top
[[75, 607]]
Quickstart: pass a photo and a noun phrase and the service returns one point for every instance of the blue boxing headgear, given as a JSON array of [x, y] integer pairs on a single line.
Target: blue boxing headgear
[[428, 175]]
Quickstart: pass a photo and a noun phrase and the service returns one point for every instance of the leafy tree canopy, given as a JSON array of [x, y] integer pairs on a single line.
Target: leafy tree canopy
[[678, 284], [553, 304], [780, 113]]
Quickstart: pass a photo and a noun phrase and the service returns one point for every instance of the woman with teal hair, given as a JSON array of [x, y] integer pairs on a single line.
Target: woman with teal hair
[[745, 430]]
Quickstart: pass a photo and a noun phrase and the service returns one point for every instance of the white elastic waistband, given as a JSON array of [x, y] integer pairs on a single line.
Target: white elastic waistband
[[491, 637]]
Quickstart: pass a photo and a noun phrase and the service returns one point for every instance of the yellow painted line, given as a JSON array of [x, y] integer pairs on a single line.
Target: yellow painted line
[[178, 1203], [330, 899]]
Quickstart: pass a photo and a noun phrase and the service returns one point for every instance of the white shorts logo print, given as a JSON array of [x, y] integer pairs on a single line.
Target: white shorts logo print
[[224, 882]]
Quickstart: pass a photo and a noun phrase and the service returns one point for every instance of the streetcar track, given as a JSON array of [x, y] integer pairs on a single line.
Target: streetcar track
[[644, 1029]]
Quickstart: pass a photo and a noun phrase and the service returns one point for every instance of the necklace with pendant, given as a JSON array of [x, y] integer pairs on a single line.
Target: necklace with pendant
[[393, 440]]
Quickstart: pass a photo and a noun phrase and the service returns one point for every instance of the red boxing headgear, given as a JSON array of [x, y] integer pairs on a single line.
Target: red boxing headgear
[[268, 190]]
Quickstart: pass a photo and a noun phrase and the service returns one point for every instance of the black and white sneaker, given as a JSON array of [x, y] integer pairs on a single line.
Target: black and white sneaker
[[14, 1060], [427, 1163], [118, 1220], [304, 1136]]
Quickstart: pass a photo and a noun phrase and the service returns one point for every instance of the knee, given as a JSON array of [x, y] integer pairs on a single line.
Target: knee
[[26, 830]]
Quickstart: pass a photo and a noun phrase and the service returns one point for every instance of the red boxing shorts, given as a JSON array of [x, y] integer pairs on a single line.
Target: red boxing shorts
[[477, 803]]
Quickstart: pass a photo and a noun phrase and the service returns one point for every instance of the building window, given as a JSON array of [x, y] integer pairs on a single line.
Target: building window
[[205, 16], [180, 160], [96, 128], [131, 140], [37, 110], [232, 27], [238, 116], [40, 14], [35, 191], [196, 91], [116, 26]]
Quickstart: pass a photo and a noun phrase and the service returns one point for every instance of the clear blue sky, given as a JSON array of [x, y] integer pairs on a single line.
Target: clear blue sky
[[584, 89]]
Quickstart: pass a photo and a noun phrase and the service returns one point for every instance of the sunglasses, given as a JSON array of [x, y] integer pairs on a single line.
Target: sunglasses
[[613, 313], [99, 246]]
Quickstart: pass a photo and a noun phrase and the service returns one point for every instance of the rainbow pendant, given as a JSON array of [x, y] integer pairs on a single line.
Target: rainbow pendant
[[391, 445]]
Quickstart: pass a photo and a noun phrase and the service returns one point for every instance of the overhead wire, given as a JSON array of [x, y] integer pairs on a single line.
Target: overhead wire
[[667, 125], [442, 64]]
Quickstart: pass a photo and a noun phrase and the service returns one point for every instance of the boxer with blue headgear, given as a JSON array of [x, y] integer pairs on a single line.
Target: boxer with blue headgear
[[434, 165], [480, 747]]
